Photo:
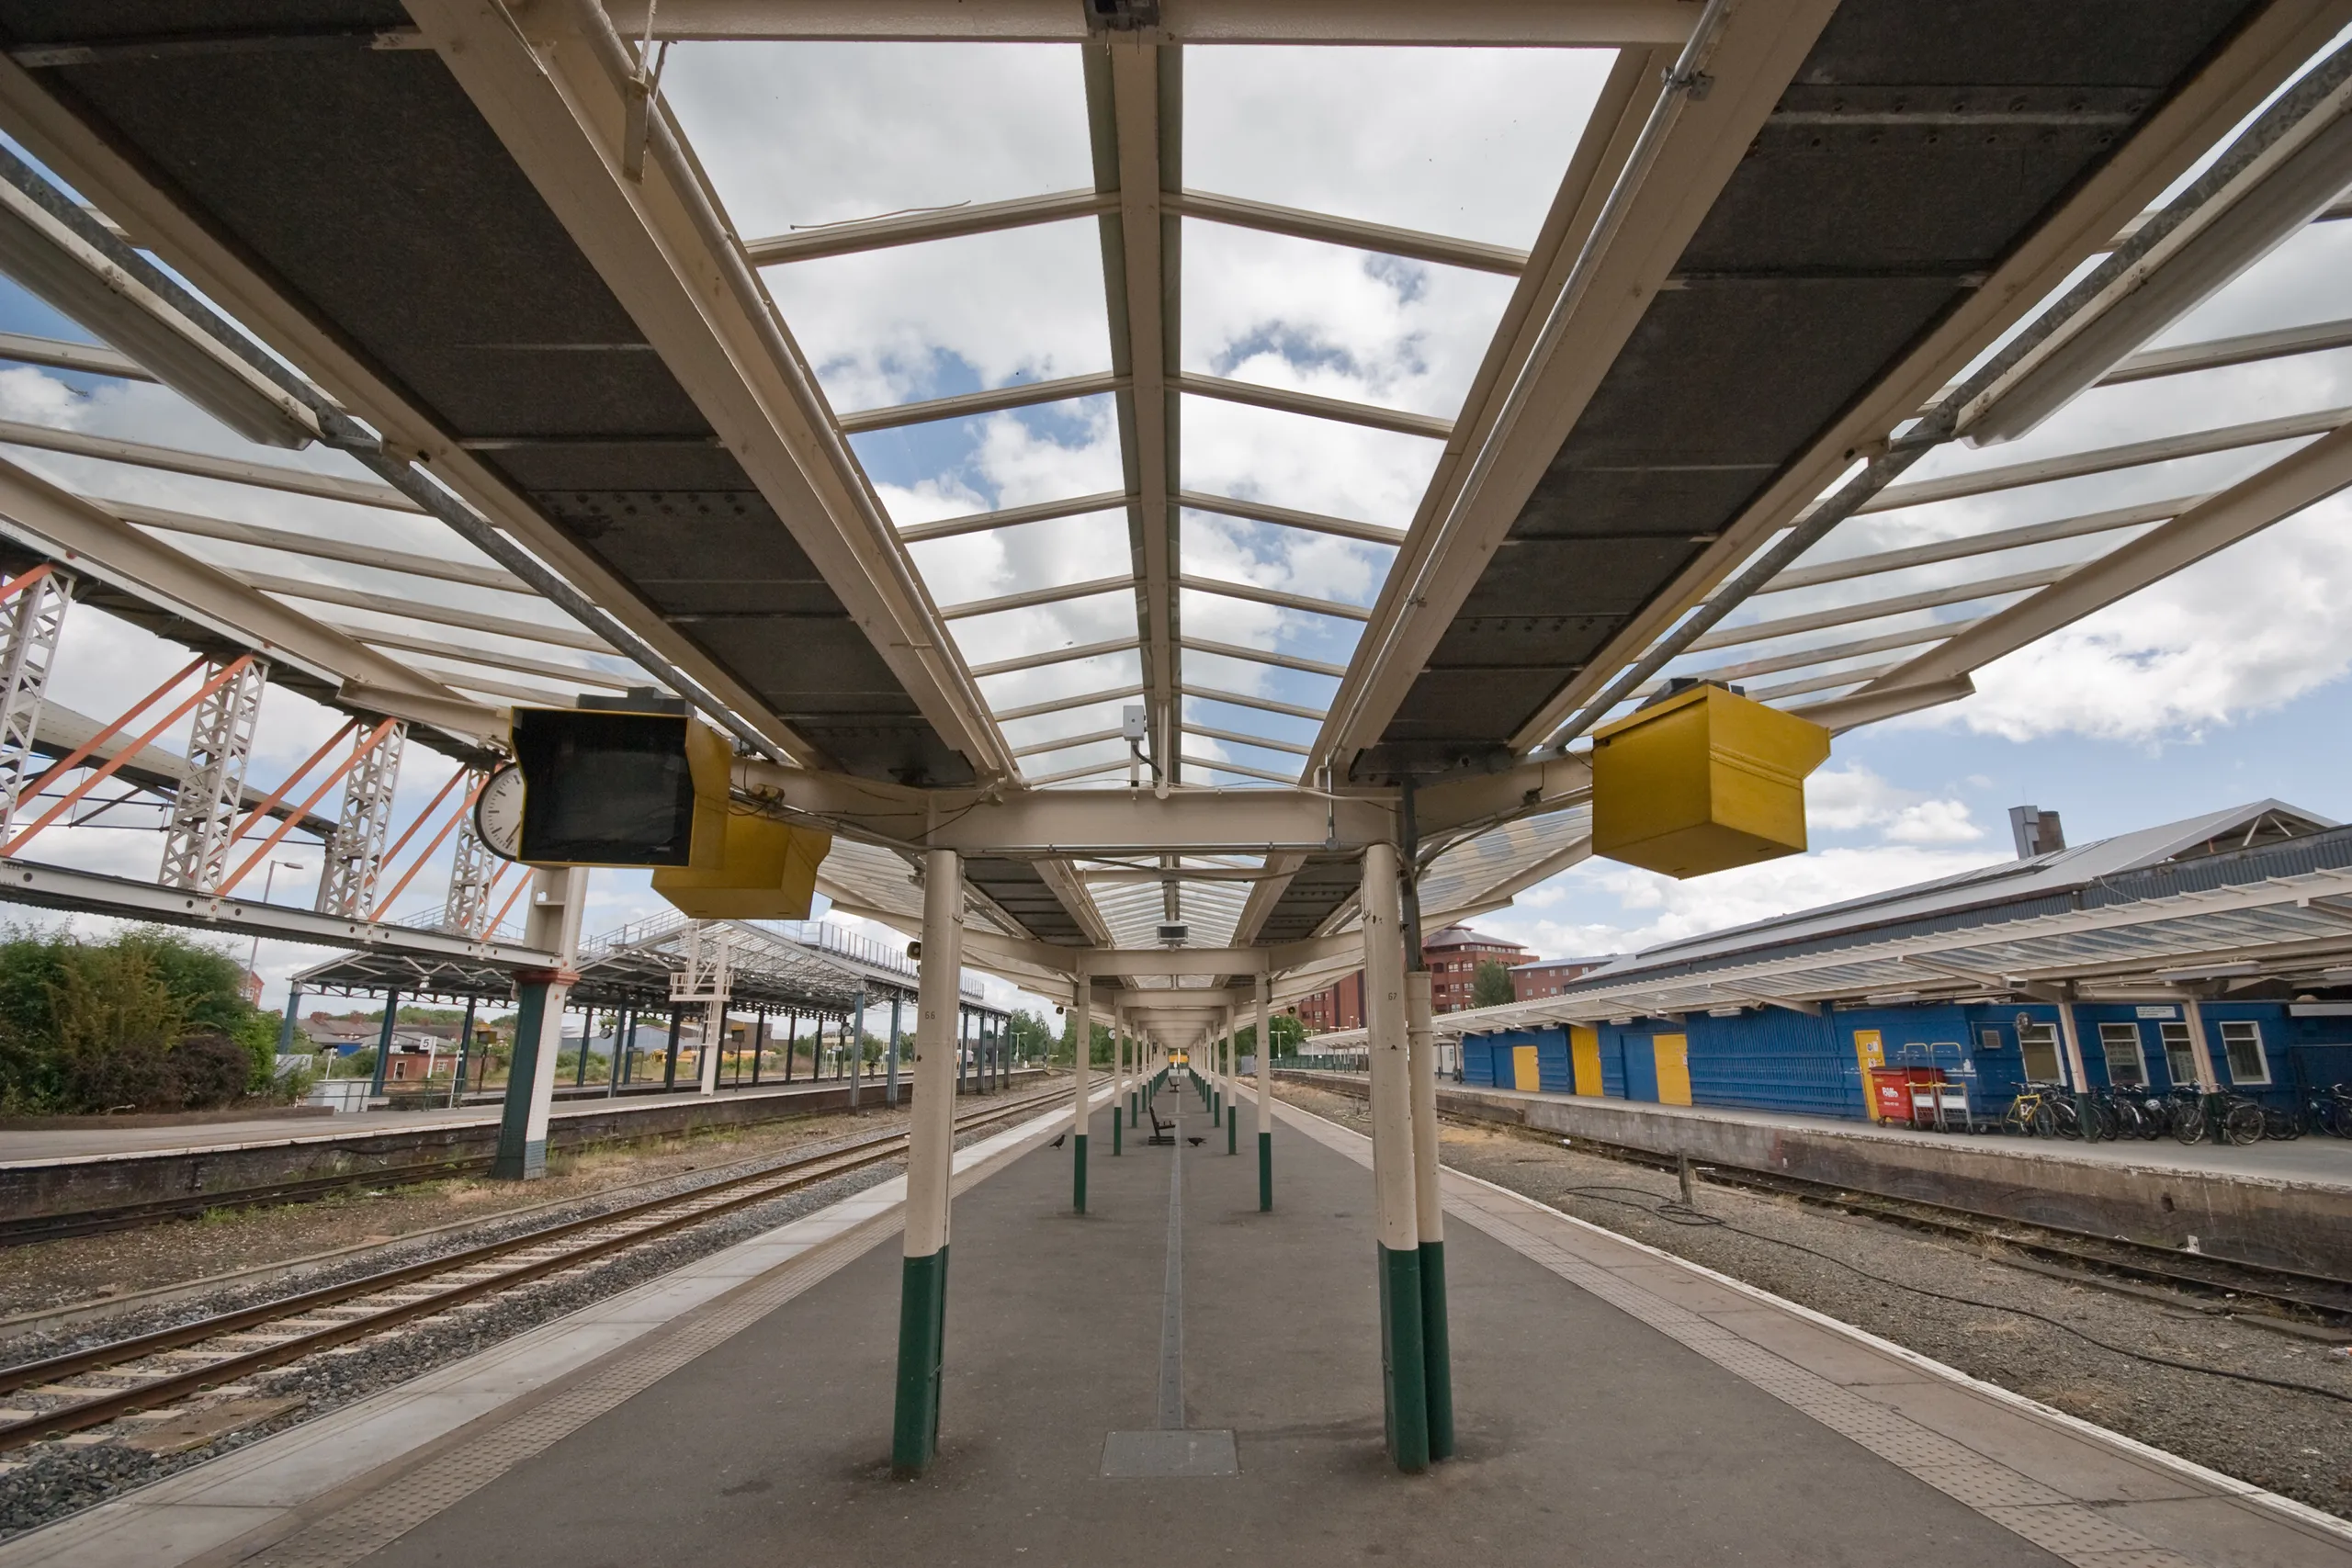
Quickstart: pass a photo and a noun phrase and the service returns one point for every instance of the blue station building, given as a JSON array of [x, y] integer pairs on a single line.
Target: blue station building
[[2227, 936]]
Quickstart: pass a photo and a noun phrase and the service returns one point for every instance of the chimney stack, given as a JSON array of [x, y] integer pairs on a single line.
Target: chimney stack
[[2037, 831]]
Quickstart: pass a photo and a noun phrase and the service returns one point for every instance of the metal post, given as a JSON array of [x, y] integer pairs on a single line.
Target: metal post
[[931, 1149], [384, 1044], [1428, 1213], [759, 1044], [2193, 1009], [1118, 1072], [551, 925], [791, 1040], [857, 1046], [613, 1075], [36, 616], [209, 801], [669, 1057], [356, 852], [1082, 1033], [890, 1061], [286, 1021], [1265, 1092], [464, 1056], [580, 1072], [2077, 1081], [1404, 1379]]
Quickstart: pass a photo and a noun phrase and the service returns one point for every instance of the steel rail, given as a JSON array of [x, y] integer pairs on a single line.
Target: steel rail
[[744, 1190]]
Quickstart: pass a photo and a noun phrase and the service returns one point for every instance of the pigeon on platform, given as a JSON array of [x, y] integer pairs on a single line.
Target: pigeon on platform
[[1057, 1139]]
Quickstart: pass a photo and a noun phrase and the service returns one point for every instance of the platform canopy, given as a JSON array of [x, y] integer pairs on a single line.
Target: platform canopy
[[605, 325]]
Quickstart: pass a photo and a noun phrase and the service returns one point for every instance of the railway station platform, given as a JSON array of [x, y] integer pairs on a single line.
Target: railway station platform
[[47, 1172], [2278, 1205], [1175, 1376]]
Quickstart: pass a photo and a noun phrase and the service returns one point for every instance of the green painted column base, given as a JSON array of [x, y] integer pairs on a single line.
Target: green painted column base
[[1118, 1138], [1077, 1174], [1404, 1382], [922, 1334], [1265, 1172], [1232, 1131], [1437, 1354], [528, 1165]]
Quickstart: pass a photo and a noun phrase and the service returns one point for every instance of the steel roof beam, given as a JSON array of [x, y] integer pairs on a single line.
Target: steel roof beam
[[1263, 655], [1062, 705], [1239, 699], [2273, 44], [422, 610], [2287, 487], [1559, 24], [1239, 739], [204, 465], [316, 546], [1972, 545], [1283, 400], [375, 637], [1805, 657], [1029, 598], [2108, 459], [1014, 517], [1287, 517], [1382, 239], [558, 100], [57, 354], [1226, 589], [1237, 770], [1135, 118], [1055, 656], [2248, 348], [1093, 737], [1874, 609], [64, 528], [992, 399], [919, 227], [105, 175]]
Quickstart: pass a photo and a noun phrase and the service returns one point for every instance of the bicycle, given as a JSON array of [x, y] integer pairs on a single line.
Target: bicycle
[[2042, 1110], [2123, 1113], [2329, 1110], [2220, 1116]]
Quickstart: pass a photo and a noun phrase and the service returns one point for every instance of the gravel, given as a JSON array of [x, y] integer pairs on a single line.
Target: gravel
[[2298, 1445], [81, 1269], [49, 1480]]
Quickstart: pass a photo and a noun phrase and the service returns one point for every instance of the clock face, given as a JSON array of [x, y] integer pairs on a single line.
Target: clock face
[[498, 812]]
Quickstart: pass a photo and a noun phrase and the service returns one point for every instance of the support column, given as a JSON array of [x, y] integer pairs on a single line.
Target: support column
[[35, 616], [2073, 1041], [1118, 1079], [1404, 1379], [759, 1044], [551, 925], [858, 1047], [670, 1056], [464, 1056], [1265, 1091], [285, 1019], [613, 1074], [209, 801], [931, 1149], [384, 1044], [890, 1061], [1428, 1213], [356, 852], [1082, 1033], [2192, 1009]]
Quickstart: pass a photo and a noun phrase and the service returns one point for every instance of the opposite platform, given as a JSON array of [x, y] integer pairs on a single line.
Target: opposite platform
[[1614, 1406]]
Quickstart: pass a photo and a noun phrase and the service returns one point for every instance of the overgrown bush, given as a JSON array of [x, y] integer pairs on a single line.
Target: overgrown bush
[[148, 1021]]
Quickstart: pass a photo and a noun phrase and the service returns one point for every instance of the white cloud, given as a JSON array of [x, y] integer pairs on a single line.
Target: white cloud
[[1849, 799]]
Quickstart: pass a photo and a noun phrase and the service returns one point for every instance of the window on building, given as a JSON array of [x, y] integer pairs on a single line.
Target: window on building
[[2037, 1050], [2126, 1066], [2179, 1059], [2242, 1043], [1988, 1039]]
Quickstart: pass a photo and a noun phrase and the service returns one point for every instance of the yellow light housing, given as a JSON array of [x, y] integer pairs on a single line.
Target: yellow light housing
[[1701, 782], [766, 871]]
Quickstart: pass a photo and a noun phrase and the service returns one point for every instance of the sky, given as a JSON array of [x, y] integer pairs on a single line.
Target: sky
[[2223, 684]]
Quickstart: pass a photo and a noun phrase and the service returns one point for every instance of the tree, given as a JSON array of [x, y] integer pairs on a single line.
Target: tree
[[1283, 1026], [1030, 1038], [1490, 987]]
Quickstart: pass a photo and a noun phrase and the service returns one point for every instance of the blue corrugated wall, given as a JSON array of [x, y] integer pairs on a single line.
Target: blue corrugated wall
[[1773, 1059]]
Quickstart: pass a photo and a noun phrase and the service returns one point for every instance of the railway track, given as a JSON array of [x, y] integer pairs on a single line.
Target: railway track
[[146, 1372], [2283, 1297]]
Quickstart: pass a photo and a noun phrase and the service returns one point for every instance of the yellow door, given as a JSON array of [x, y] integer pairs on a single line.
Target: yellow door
[[1673, 1055], [1523, 1072], [1584, 1055]]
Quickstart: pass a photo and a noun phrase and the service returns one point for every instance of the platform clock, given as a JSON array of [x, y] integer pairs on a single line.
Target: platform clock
[[498, 812]]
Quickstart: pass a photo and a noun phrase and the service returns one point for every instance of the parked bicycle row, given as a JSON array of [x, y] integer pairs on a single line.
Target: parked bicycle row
[[2052, 1111]]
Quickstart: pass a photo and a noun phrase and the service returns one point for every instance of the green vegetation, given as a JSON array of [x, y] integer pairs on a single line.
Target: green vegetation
[[1283, 1026], [1490, 985], [149, 1020]]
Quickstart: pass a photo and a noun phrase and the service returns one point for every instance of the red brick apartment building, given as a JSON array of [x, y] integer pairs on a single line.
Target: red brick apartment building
[[1550, 976], [1453, 957]]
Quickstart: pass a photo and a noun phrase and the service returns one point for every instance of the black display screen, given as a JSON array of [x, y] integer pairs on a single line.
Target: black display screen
[[604, 788]]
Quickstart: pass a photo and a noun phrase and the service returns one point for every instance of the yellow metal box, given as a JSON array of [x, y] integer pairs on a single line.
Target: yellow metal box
[[1701, 782], [765, 871]]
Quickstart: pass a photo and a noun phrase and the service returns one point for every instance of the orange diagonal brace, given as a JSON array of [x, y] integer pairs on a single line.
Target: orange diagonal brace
[[424, 816], [23, 581], [227, 673], [375, 737], [427, 853], [74, 758], [279, 793]]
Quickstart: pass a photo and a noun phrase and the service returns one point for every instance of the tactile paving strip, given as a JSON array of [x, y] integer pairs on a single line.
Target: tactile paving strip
[[403, 1502], [2067, 1530]]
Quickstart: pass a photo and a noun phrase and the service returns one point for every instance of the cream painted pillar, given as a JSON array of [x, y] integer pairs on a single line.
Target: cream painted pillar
[[1403, 1370]]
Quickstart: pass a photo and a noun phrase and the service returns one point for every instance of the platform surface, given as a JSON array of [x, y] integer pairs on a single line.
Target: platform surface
[[1616, 1406], [2318, 1160], [34, 1146]]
